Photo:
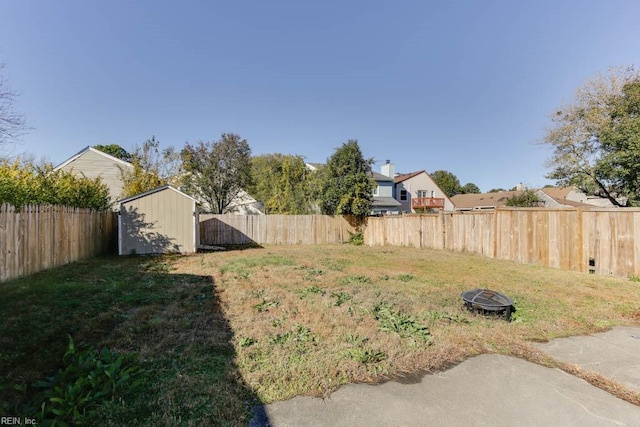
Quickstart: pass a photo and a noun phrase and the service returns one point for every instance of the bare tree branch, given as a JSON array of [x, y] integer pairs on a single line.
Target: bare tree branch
[[12, 124]]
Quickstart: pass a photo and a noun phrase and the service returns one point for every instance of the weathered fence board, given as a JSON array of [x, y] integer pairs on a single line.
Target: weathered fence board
[[273, 229], [35, 238], [602, 241]]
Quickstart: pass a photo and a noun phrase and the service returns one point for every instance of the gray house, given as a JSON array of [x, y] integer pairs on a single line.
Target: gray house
[[162, 220], [383, 201]]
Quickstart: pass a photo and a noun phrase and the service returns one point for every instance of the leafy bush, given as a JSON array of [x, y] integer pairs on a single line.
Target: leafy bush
[[356, 238], [88, 378], [27, 184]]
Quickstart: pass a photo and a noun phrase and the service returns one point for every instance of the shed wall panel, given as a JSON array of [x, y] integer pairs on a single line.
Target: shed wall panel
[[160, 222]]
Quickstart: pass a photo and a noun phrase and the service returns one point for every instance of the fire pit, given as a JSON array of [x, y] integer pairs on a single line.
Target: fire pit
[[488, 302]]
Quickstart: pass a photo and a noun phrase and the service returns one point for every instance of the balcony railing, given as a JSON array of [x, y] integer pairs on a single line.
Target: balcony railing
[[427, 203]]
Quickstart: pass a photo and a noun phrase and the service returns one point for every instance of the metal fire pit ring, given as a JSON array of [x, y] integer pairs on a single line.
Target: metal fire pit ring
[[488, 301]]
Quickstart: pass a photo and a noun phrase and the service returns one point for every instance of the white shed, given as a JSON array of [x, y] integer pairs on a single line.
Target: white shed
[[162, 220]]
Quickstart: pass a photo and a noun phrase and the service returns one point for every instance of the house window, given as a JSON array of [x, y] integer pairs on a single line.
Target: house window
[[422, 193], [403, 195]]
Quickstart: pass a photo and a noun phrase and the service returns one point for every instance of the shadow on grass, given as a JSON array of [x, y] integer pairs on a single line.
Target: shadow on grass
[[173, 322]]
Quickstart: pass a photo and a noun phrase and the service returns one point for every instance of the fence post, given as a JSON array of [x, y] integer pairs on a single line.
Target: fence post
[[444, 229]]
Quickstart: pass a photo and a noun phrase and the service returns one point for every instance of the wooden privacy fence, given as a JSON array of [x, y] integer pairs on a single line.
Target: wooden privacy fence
[[39, 237], [602, 241], [273, 229]]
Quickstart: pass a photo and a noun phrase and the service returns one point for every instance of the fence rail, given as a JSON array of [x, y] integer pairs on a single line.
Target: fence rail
[[602, 241], [35, 238], [273, 229]]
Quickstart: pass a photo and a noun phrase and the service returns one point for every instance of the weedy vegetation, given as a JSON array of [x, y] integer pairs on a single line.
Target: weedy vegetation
[[200, 339]]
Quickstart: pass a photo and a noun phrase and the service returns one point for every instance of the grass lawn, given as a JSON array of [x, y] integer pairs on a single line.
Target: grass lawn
[[218, 332]]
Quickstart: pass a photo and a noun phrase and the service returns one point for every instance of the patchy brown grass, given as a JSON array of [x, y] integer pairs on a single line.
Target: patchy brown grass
[[304, 321], [219, 332]]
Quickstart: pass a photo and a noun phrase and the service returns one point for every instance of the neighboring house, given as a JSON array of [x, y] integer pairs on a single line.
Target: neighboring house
[[314, 166], [557, 198], [549, 197], [93, 163], [568, 196], [242, 204], [483, 201], [162, 220], [417, 191], [383, 201]]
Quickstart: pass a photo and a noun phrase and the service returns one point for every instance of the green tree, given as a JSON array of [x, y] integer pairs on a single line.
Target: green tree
[[216, 172], [281, 183], [146, 173], [470, 188], [496, 190], [621, 144], [593, 140], [347, 187], [448, 182], [114, 150], [525, 199]]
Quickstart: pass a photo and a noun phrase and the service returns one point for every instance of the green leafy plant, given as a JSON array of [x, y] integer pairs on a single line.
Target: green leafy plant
[[356, 238], [247, 342], [366, 355], [311, 290], [405, 277], [300, 334], [312, 274], [87, 379], [265, 305], [356, 339], [341, 298], [356, 279], [406, 326]]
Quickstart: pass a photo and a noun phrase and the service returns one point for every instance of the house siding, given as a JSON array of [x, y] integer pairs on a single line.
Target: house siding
[[385, 189], [94, 165], [420, 182], [161, 222]]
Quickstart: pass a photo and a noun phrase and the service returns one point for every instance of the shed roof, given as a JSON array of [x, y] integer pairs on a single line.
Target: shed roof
[[156, 190]]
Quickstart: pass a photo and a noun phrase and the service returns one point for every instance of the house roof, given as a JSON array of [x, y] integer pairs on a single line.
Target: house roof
[[385, 201], [470, 201], [380, 177], [557, 193], [94, 150], [314, 166], [566, 202], [156, 190], [403, 177]]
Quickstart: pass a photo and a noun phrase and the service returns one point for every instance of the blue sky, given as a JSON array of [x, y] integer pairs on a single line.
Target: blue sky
[[464, 86]]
